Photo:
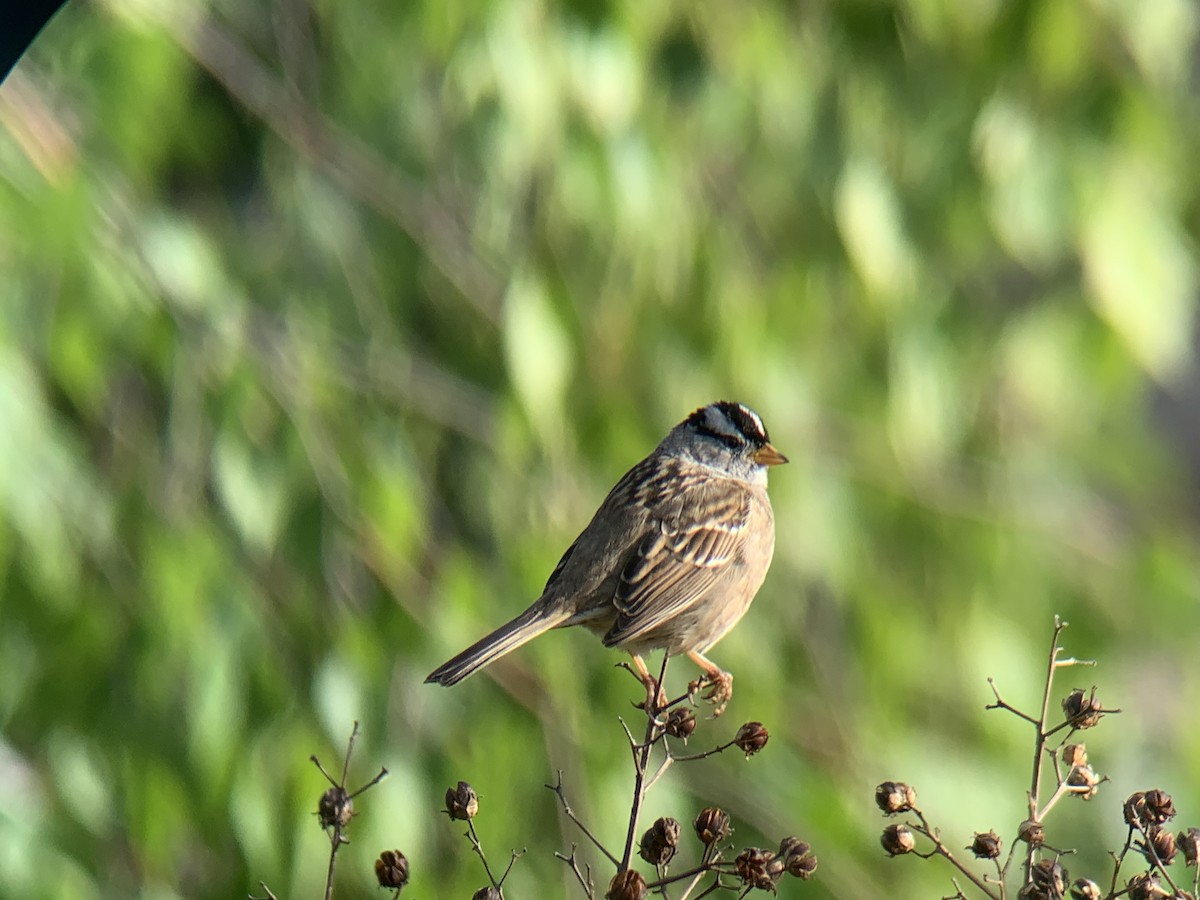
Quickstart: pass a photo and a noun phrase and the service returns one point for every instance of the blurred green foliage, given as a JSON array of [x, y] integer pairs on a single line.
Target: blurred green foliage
[[326, 326]]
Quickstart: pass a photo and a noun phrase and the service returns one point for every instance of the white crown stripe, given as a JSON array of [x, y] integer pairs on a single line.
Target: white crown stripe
[[753, 417]]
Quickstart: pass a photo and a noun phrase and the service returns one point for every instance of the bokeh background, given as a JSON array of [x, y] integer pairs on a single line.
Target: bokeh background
[[326, 326]]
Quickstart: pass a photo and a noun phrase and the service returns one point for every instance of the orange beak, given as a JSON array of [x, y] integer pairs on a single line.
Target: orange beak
[[769, 456]]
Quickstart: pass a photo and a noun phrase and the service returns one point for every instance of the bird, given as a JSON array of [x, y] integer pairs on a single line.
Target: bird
[[670, 561]]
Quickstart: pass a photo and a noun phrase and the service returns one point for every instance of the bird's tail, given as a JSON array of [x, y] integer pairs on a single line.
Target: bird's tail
[[507, 637]]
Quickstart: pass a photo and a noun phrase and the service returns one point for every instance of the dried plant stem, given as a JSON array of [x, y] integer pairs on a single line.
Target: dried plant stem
[[336, 839], [711, 854], [589, 888], [478, 848], [940, 849], [336, 836], [562, 798], [335, 843], [1158, 863], [1119, 860], [641, 761]]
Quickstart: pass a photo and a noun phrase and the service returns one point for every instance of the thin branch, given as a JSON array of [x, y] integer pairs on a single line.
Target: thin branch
[[383, 773], [586, 883], [940, 849], [1002, 704], [721, 748], [641, 759], [1157, 862], [349, 753], [478, 848], [562, 798], [513, 856], [1039, 746], [1119, 860], [696, 871], [335, 842], [316, 762], [662, 769], [342, 803]]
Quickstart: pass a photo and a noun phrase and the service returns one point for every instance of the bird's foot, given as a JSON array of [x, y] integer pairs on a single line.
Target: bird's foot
[[719, 685], [656, 701]]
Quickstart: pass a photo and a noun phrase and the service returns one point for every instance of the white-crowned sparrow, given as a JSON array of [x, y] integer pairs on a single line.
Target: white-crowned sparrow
[[672, 558]]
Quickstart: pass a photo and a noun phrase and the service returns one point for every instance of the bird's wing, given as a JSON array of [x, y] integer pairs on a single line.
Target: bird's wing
[[694, 535]]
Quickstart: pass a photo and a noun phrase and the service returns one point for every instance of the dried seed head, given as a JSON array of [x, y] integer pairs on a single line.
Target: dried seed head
[[894, 797], [335, 808], [1146, 887], [461, 801], [1049, 877], [751, 738], [1082, 709], [1031, 832], [796, 856], [486, 893], [659, 842], [712, 825], [1135, 808], [391, 869], [1189, 843], [1158, 843], [986, 845], [1085, 889], [680, 723], [898, 840], [1159, 807], [1075, 755], [627, 885], [753, 867], [793, 845], [1086, 780]]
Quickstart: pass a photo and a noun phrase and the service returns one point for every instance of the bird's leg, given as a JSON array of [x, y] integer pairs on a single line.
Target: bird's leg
[[717, 680], [656, 697]]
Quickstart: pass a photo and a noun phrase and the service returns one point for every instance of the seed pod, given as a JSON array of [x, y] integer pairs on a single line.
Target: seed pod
[[1159, 843], [753, 866], [751, 738], [894, 797], [712, 825], [680, 723], [1146, 886], [391, 869], [658, 844], [1031, 832], [335, 808], [1075, 755], [1086, 779], [1159, 807], [1083, 710], [1049, 877], [986, 845], [1134, 808], [462, 801], [627, 885], [898, 840], [1189, 843], [796, 857]]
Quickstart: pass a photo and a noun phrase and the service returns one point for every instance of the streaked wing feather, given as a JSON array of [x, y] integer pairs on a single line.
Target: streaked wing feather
[[698, 536]]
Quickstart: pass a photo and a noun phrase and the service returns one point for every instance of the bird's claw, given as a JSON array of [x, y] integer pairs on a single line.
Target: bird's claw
[[719, 685]]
